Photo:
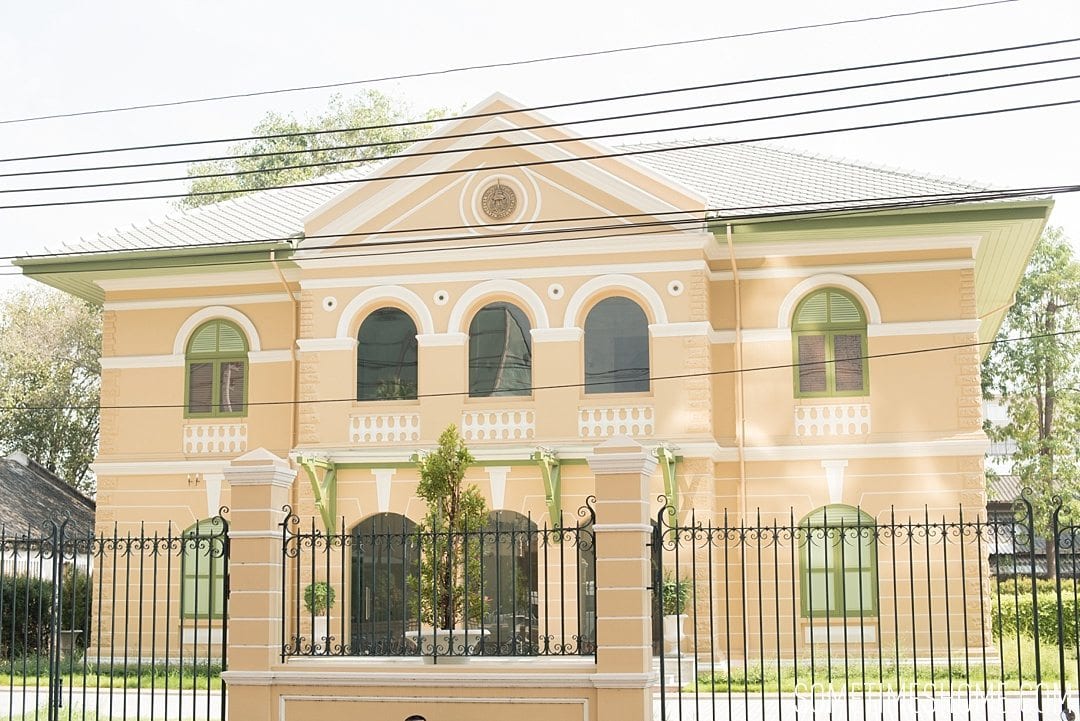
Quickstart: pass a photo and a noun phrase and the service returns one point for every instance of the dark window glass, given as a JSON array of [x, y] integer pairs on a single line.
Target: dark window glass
[[386, 356], [849, 362], [500, 352], [510, 583], [616, 347], [232, 386], [385, 576], [200, 387], [811, 363]]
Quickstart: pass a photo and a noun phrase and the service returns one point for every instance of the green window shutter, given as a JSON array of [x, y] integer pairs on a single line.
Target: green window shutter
[[205, 340], [814, 310], [842, 309], [230, 339]]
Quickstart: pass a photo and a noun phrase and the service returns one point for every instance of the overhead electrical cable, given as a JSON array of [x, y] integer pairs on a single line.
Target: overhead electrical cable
[[566, 104], [555, 141], [564, 386], [558, 161], [537, 237], [507, 63]]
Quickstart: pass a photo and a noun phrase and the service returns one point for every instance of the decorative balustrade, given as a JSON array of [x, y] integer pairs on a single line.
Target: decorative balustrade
[[604, 422], [834, 419], [209, 438], [384, 428], [498, 425]]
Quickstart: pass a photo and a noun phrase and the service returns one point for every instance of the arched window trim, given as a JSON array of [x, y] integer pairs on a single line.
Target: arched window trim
[[216, 359], [618, 386], [407, 389], [835, 529], [203, 562], [522, 388], [828, 331]]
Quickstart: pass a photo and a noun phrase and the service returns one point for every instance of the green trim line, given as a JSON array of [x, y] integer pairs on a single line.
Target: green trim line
[[325, 491], [667, 460], [552, 475], [530, 461]]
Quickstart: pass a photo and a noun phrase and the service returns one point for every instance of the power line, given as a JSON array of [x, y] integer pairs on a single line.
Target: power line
[[563, 386], [570, 139], [504, 64], [558, 161], [535, 108], [854, 207]]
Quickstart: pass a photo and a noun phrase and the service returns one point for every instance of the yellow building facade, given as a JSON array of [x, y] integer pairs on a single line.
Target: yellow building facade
[[727, 308]]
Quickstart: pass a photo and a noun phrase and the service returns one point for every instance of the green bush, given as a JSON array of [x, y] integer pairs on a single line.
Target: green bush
[[1014, 614], [27, 613]]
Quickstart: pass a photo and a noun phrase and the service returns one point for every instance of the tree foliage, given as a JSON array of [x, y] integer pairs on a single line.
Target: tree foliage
[[367, 109], [450, 586], [1036, 376], [50, 375]]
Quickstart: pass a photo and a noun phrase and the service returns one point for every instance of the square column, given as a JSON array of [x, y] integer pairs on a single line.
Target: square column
[[624, 678]]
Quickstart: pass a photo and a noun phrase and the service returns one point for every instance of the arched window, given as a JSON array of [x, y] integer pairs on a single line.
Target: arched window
[[202, 595], [510, 583], [386, 356], [838, 563], [616, 347], [216, 365], [829, 338], [500, 352], [385, 576]]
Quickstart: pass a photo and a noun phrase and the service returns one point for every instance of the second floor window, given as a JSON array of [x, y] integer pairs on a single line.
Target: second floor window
[[829, 338], [216, 366], [386, 367], [616, 347], [500, 352]]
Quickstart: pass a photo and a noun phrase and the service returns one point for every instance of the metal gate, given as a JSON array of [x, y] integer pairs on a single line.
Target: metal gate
[[115, 625], [844, 615]]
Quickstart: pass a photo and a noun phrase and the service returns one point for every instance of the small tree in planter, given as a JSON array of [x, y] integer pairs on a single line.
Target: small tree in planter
[[319, 597], [449, 588], [674, 594]]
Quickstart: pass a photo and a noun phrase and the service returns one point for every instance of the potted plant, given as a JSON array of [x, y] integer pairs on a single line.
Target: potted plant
[[674, 594], [448, 593], [318, 600]]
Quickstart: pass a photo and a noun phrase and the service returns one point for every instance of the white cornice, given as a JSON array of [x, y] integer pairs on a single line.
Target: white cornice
[[554, 335], [925, 327], [941, 448], [270, 356], [434, 340], [805, 271], [640, 462], [831, 246], [173, 360], [196, 301], [197, 280]]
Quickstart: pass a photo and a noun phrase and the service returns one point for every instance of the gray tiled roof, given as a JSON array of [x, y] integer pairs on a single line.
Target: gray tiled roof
[[31, 496], [1003, 488], [728, 176]]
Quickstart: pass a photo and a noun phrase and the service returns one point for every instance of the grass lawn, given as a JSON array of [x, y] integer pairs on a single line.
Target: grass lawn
[[34, 671]]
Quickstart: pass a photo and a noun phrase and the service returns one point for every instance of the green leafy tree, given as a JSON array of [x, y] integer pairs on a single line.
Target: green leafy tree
[[50, 376], [263, 155], [1036, 376], [450, 550]]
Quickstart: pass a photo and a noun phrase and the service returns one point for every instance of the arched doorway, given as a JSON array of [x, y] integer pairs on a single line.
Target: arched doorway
[[385, 566], [510, 584]]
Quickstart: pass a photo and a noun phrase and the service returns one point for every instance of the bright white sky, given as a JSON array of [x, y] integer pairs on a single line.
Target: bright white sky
[[70, 55]]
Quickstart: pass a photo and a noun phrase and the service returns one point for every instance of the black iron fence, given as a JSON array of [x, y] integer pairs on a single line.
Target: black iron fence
[[389, 588], [120, 625], [846, 614]]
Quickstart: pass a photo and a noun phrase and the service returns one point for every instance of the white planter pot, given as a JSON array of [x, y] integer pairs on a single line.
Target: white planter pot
[[673, 633], [319, 632], [444, 642]]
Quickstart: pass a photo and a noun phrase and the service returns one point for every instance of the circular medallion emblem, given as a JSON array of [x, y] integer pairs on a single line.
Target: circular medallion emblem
[[498, 201]]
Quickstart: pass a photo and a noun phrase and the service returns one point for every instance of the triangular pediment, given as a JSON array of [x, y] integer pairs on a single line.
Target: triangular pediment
[[500, 169]]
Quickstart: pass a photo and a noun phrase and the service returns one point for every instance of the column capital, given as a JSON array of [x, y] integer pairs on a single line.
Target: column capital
[[259, 467], [621, 454]]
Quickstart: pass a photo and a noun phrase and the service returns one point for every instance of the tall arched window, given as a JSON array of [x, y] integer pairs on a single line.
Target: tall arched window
[[216, 370], [828, 335], [838, 563], [386, 356], [203, 570], [616, 347], [385, 575], [500, 352], [510, 583]]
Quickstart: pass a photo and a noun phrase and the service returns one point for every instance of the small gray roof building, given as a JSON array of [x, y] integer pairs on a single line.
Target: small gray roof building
[[31, 497]]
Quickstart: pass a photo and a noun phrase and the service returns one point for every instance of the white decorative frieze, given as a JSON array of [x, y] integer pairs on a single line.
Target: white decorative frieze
[[498, 425], [615, 421], [384, 428], [215, 438], [834, 419]]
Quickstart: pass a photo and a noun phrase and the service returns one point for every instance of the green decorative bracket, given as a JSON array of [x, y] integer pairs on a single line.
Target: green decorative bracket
[[666, 458], [325, 491], [552, 474]]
